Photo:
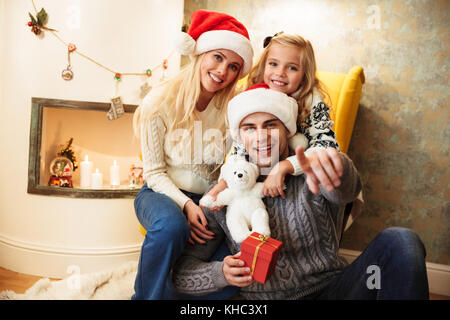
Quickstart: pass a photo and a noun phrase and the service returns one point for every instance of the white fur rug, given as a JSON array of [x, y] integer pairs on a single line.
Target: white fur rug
[[116, 284]]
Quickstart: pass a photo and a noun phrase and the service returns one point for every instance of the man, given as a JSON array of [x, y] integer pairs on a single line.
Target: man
[[308, 220]]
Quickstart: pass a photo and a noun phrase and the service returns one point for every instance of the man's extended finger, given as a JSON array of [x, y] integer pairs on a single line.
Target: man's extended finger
[[320, 174], [337, 161], [313, 184], [330, 171], [303, 160]]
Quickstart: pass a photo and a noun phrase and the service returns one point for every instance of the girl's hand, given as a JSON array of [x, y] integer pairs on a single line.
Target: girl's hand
[[274, 183], [218, 188], [323, 166], [197, 223], [233, 270]]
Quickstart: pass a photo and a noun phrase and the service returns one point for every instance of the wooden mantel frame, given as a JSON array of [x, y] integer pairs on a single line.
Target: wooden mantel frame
[[34, 157]]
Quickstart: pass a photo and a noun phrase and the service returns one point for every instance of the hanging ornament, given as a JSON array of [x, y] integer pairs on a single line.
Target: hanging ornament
[[37, 23], [67, 73], [116, 110], [145, 87], [71, 47]]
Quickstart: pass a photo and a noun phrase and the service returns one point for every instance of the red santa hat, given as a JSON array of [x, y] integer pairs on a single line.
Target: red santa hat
[[211, 30], [260, 98]]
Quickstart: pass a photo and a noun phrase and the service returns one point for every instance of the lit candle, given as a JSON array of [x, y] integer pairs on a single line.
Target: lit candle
[[86, 172], [96, 180], [114, 175]]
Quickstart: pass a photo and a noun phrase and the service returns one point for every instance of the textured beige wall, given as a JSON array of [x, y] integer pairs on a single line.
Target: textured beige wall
[[401, 140]]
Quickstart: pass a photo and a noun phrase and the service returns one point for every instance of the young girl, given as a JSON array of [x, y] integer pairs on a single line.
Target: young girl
[[287, 64], [221, 53]]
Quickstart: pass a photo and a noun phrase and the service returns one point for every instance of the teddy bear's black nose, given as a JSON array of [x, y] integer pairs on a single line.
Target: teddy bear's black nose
[[239, 175]]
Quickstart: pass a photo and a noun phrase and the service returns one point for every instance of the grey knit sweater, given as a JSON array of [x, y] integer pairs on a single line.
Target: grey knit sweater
[[309, 226]]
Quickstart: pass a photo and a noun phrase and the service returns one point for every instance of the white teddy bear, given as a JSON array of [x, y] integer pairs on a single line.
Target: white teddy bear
[[246, 212]]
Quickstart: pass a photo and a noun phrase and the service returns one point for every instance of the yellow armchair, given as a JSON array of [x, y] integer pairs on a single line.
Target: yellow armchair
[[345, 92]]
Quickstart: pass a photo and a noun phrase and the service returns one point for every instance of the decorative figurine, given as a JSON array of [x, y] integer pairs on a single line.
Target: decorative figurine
[[63, 166], [61, 170], [135, 177]]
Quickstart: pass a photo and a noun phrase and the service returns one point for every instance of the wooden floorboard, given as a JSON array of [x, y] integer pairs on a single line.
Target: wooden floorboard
[[19, 283]]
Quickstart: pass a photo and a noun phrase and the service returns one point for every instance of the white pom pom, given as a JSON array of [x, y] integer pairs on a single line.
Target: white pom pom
[[298, 140], [184, 44]]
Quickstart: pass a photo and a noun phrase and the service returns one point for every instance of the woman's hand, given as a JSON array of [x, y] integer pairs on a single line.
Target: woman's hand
[[197, 223], [322, 166], [274, 183], [233, 270], [218, 188]]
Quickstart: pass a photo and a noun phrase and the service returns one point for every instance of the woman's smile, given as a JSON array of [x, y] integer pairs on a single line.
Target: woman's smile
[[215, 78]]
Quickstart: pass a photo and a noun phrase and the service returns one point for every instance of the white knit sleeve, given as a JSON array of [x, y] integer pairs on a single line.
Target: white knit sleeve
[[154, 165], [295, 164]]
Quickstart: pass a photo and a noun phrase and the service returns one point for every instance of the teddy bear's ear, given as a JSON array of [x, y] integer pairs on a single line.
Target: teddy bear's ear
[[255, 169], [226, 167]]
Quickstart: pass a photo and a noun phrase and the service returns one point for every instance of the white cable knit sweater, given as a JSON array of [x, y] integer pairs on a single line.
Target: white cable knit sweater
[[170, 167]]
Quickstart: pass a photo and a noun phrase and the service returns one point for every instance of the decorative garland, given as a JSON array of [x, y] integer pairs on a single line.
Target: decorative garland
[[37, 24]]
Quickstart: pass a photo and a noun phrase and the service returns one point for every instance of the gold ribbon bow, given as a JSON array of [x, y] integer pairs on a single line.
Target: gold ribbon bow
[[263, 240]]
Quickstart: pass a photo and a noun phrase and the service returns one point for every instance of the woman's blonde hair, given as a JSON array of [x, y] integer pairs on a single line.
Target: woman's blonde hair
[[307, 62], [179, 98]]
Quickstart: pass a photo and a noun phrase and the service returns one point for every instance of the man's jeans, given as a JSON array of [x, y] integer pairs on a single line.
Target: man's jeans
[[391, 267], [167, 234]]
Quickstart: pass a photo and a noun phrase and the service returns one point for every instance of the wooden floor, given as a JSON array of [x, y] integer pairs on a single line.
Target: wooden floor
[[19, 283]]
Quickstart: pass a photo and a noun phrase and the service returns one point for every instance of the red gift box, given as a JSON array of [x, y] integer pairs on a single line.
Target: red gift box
[[260, 254]]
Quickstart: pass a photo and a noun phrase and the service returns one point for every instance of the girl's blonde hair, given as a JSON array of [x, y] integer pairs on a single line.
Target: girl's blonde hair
[[307, 62], [179, 98]]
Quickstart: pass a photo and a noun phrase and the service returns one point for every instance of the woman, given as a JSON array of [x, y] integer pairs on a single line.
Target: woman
[[167, 205]]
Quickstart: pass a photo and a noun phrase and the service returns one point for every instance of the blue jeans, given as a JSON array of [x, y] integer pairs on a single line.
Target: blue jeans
[[167, 234], [391, 267]]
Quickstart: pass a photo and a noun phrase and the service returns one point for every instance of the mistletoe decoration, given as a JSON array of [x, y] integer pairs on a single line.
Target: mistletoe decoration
[[69, 154], [38, 23]]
